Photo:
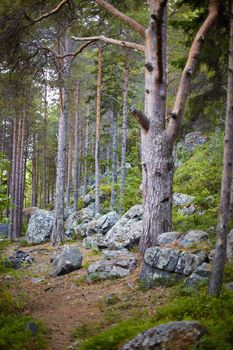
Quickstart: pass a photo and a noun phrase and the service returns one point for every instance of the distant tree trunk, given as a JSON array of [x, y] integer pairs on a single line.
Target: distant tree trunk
[[69, 169], [44, 175], [124, 133], [224, 213], [114, 157], [86, 155], [58, 227], [76, 148], [22, 165], [13, 179], [97, 142], [34, 173]]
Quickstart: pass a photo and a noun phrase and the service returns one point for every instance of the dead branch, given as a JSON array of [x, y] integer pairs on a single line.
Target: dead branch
[[141, 118], [48, 14], [122, 43]]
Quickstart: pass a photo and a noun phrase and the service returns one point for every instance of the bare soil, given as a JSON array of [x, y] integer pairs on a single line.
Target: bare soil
[[68, 302]]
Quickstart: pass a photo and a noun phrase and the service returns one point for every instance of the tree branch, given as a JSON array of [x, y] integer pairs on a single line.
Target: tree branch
[[69, 54], [103, 38], [48, 14], [185, 81], [129, 21], [141, 118]]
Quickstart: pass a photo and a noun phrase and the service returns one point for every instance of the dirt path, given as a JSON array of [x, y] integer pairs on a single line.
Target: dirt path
[[67, 302]]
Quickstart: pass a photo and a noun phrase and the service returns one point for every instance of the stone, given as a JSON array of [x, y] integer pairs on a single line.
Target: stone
[[179, 335], [200, 275], [68, 259], [77, 222], [187, 263], [127, 231], [189, 210], [162, 258], [89, 198], [113, 268], [230, 245], [37, 279], [193, 139], [4, 230], [182, 199], [229, 286], [40, 227], [102, 224], [95, 241], [168, 238], [19, 259], [114, 254], [67, 212], [169, 263], [193, 237]]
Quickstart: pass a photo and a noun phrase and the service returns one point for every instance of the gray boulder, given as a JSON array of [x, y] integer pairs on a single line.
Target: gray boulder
[[182, 199], [95, 241], [230, 245], [67, 212], [114, 254], [194, 237], [127, 231], [102, 224], [180, 335], [200, 275], [67, 260], [113, 268], [168, 263], [193, 139], [4, 230], [168, 238], [40, 227], [77, 222]]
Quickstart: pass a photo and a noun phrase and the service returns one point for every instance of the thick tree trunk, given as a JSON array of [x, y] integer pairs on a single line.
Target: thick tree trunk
[[157, 162], [76, 149], [224, 213], [124, 133], [97, 134], [114, 157]]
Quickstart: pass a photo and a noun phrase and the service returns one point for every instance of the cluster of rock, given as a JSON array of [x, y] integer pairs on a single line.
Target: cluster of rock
[[19, 259], [115, 263], [176, 256], [68, 259]]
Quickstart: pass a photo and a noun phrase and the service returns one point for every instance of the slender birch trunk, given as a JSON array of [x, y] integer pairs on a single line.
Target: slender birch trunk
[[97, 142], [124, 133], [224, 213], [76, 148]]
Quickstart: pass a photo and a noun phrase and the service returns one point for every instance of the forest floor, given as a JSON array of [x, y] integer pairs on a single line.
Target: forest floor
[[70, 302]]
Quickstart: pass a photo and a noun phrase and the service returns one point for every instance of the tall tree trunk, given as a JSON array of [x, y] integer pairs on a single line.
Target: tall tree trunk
[[224, 213], [44, 175], [114, 157], [86, 154], [69, 169], [58, 227], [124, 133], [97, 134], [76, 149], [13, 179], [34, 173], [157, 162]]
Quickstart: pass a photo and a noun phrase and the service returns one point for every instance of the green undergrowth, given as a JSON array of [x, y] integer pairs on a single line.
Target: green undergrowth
[[17, 331], [215, 314]]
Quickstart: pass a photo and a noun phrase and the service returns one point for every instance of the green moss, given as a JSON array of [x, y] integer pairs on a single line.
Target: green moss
[[21, 333]]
